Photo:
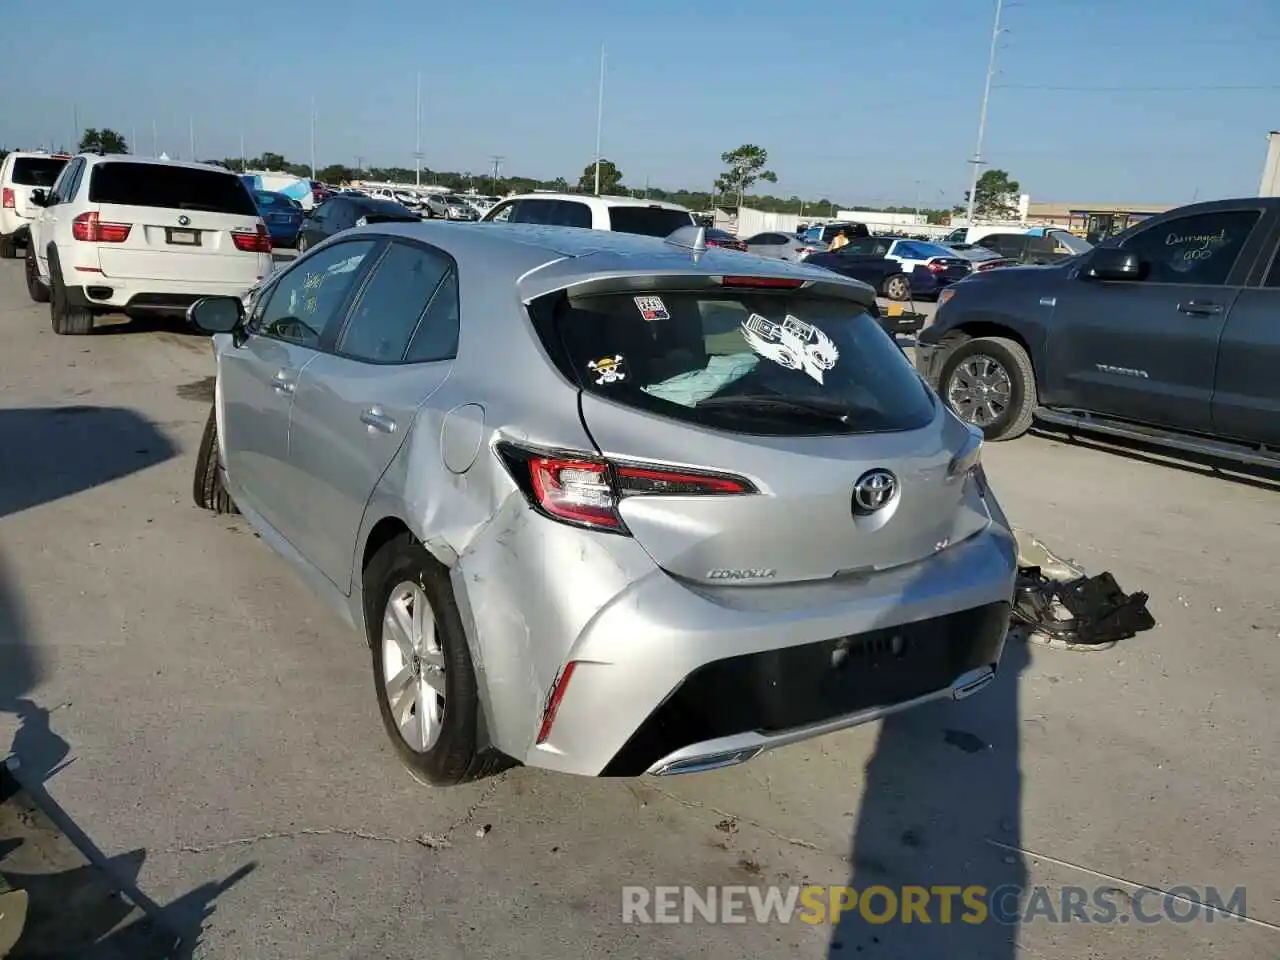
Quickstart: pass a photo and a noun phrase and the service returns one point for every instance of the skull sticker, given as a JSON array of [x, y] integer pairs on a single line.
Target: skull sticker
[[608, 369]]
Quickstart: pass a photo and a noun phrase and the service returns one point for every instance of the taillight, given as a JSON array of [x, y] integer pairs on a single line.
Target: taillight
[[777, 283], [6, 198], [89, 228], [935, 267], [586, 491], [258, 241]]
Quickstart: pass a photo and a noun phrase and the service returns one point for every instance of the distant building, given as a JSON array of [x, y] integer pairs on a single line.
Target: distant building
[[1094, 220]]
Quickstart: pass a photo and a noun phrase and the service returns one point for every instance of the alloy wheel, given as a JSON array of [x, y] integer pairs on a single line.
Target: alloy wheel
[[413, 667], [980, 390]]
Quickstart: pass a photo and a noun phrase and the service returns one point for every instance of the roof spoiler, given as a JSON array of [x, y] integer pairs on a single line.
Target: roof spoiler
[[689, 238]]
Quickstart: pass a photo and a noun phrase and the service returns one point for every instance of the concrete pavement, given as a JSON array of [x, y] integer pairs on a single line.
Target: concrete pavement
[[202, 708]]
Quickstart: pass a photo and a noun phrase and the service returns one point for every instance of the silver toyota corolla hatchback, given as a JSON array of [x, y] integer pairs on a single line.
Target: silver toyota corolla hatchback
[[606, 504]]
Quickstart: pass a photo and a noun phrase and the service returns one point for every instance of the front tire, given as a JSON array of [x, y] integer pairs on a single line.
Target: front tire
[[423, 677], [989, 382], [897, 288], [207, 488], [66, 319], [35, 288]]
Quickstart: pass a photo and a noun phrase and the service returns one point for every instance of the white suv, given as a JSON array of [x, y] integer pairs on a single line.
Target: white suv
[[120, 233], [620, 214], [20, 173]]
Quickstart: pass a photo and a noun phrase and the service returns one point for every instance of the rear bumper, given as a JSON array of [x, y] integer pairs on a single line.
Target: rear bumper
[[147, 296], [671, 678]]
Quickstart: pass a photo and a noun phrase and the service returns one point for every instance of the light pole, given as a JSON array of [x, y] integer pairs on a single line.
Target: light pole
[[497, 162], [599, 118], [191, 126], [155, 140], [417, 150], [313, 138], [982, 116]]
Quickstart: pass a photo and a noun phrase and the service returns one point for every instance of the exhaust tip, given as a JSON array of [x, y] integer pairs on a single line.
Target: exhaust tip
[[713, 761]]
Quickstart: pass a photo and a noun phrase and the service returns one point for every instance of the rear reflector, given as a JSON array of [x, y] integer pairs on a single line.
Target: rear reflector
[[88, 228], [7, 199], [585, 491], [776, 283], [257, 242], [553, 702]]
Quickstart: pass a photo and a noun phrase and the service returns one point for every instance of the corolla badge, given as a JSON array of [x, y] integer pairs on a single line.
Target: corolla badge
[[873, 491], [184, 221]]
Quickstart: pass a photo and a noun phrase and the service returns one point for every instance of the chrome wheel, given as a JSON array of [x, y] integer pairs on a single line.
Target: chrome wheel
[[413, 666], [980, 390]]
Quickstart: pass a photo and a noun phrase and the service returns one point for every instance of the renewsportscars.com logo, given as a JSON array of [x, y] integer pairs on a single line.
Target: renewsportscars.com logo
[[941, 904]]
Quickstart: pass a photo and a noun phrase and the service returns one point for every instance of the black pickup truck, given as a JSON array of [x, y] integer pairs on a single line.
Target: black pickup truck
[[1168, 333]]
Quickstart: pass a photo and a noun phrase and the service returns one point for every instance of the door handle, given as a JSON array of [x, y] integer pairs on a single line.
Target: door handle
[[1199, 308], [375, 419], [282, 382]]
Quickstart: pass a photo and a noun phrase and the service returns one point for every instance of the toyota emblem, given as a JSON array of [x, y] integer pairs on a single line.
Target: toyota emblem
[[873, 491], [184, 221]]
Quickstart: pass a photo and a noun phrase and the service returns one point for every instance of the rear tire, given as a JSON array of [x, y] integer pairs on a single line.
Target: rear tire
[[35, 288], [301, 245], [897, 288], [207, 488], [989, 382], [67, 320], [403, 572], [8, 248]]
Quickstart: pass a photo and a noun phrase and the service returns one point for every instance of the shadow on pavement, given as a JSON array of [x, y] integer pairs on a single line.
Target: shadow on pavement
[[82, 903], [118, 324], [942, 783], [47, 453]]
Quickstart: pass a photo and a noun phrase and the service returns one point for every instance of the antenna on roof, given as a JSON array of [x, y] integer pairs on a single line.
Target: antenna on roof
[[689, 238]]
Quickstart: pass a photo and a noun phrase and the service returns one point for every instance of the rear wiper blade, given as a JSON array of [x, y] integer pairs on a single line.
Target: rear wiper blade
[[810, 406]]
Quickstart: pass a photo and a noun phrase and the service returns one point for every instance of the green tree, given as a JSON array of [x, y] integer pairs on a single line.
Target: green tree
[[105, 140], [746, 166], [610, 178], [996, 197]]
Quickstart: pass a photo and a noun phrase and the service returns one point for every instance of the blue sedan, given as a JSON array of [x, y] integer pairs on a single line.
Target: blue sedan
[[282, 215]]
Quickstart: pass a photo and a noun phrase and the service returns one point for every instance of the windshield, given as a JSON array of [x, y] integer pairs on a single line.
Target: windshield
[[648, 221], [780, 364], [37, 171], [1077, 245]]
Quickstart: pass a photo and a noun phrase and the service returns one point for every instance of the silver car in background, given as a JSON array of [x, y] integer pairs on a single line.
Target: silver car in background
[[602, 503], [777, 245], [449, 207]]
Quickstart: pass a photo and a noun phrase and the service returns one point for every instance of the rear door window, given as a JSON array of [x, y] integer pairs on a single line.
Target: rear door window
[[37, 171], [393, 303], [648, 221], [741, 361], [558, 213], [170, 187]]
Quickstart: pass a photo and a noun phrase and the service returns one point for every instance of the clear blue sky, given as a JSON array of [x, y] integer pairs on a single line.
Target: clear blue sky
[[859, 101]]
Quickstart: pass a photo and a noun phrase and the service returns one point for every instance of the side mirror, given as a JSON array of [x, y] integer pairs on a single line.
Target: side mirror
[[39, 198], [216, 314], [1112, 263]]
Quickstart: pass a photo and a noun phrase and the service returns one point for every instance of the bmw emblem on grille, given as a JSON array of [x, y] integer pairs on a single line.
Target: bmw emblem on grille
[[873, 491], [184, 221]]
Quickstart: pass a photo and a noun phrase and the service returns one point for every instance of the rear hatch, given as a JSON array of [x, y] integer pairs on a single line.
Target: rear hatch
[[184, 223], [762, 436], [30, 173]]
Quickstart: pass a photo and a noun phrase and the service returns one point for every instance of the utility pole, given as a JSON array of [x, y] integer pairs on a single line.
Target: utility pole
[[191, 123], [417, 149], [313, 138], [982, 116], [359, 167], [497, 162], [75, 120], [646, 186], [133, 143], [155, 140], [244, 161], [599, 118]]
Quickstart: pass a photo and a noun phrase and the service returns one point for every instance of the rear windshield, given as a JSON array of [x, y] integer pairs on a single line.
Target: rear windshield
[[175, 188], [648, 221], [37, 171], [741, 361], [385, 211]]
